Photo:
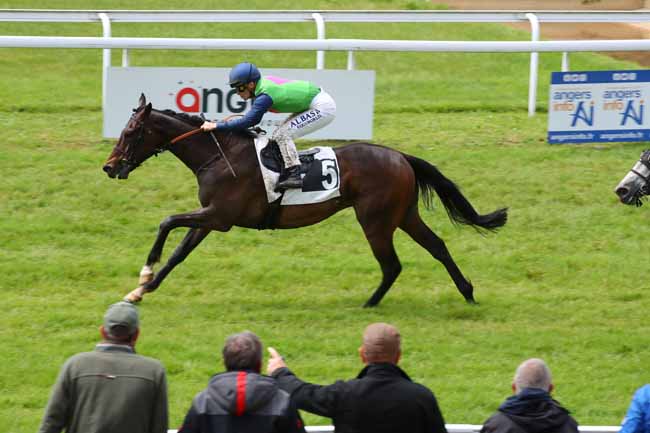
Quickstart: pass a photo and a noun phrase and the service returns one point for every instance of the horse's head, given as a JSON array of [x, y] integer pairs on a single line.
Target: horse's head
[[138, 141], [636, 182]]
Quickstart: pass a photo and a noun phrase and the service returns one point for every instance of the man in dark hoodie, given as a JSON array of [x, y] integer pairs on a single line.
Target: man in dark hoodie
[[241, 399], [531, 409], [382, 399]]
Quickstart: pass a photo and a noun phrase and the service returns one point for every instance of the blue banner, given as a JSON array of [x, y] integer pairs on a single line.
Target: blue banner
[[598, 106]]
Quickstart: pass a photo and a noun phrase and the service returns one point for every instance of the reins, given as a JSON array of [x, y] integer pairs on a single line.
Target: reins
[[128, 152], [221, 152], [184, 136], [197, 130]]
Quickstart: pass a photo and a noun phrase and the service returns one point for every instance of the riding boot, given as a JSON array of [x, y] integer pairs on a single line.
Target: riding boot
[[291, 177], [292, 180]]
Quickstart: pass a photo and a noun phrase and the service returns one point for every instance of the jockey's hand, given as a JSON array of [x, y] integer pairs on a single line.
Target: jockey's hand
[[275, 361], [208, 126]]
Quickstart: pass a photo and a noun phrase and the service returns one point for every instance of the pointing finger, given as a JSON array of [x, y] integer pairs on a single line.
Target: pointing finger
[[274, 353]]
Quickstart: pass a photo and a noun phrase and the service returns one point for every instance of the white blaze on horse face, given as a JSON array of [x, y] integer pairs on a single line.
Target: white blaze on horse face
[[633, 181]]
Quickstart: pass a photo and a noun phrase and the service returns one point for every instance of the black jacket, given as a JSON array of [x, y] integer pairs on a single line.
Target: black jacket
[[531, 411], [242, 402], [381, 399]]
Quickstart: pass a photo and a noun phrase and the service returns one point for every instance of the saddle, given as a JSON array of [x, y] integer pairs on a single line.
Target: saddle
[[319, 170], [271, 158]]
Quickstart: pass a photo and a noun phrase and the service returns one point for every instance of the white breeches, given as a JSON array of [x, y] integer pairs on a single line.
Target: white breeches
[[320, 113]]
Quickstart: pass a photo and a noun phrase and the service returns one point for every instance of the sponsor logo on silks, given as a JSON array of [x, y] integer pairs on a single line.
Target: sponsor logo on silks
[[308, 117]]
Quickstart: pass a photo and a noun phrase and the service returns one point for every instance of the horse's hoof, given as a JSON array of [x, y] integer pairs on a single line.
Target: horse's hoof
[[369, 305], [132, 299], [135, 296], [471, 301], [146, 275]]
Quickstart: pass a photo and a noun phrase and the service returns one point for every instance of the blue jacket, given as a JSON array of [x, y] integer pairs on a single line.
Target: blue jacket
[[261, 105], [637, 419]]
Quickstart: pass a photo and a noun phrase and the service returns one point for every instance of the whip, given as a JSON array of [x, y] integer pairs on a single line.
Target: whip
[[225, 158]]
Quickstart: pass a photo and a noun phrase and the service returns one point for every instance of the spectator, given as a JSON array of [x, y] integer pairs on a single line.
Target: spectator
[[241, 400], [637, 419], [531, 409], [111, 389], [381, 399]]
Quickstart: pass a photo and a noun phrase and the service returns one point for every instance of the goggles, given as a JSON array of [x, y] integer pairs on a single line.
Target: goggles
[[239, 86]]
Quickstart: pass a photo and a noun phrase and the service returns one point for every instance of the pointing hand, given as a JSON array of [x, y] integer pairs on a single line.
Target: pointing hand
[[275, 362]]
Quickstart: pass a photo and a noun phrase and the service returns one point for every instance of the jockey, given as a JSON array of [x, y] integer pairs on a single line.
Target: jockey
[[312, 108]]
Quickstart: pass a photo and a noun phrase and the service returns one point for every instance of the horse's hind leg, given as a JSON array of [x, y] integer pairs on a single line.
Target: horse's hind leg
[[384, 251], [379, 232], [418, 230]]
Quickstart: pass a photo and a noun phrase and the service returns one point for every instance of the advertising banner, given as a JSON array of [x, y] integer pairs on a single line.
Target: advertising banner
[[206, 90], [598, 106]]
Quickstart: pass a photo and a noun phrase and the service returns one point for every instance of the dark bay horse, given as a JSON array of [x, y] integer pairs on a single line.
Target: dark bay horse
[[381, 184]]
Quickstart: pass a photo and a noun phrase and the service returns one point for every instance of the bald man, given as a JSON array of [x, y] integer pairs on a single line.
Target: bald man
[[381, 399], [531, 409]]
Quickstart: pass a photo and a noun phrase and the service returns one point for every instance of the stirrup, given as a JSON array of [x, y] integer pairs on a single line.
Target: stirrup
[[290, 183], [293, 179]]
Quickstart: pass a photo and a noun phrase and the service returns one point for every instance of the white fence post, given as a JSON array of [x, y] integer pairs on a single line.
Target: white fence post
[[125, 57], [565, 62], [351, 63], [534, 61], [320, 34], [106, 55]]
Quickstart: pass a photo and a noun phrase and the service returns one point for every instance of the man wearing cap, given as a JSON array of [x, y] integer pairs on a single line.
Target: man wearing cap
[[111, 389], [381, 399]]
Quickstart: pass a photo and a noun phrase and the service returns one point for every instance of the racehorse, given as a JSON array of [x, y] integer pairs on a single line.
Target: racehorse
[[635, 184], [381, 184]]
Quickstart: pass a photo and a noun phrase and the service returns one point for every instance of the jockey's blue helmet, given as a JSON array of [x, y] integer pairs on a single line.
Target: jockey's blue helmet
[[243, 73]]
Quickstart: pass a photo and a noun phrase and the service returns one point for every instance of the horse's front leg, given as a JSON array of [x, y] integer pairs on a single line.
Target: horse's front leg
[[200, 222]]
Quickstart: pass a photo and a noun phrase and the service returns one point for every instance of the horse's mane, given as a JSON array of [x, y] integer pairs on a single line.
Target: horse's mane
[[198, 121], [187, 118]]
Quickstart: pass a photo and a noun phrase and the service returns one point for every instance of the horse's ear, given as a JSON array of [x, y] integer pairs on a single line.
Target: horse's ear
[[147, 110], [143, 100]]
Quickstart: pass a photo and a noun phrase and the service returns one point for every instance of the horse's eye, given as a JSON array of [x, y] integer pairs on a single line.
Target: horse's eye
[[132, 130]]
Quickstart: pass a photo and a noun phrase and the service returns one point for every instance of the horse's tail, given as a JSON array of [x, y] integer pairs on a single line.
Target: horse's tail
[[459, 209]]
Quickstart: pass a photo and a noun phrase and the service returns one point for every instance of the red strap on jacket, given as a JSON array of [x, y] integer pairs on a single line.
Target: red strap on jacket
[[241, 394]]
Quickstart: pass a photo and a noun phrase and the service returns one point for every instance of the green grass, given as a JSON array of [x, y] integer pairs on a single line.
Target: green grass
[[564, 280]]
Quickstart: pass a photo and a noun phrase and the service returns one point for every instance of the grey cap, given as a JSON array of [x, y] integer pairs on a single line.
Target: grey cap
[[122, 314]]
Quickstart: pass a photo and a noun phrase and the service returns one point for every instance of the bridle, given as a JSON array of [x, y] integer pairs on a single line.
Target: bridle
[[127, 156], [129, 153], [644, 189], [645, 160]]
